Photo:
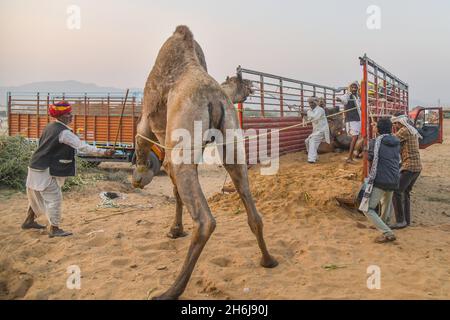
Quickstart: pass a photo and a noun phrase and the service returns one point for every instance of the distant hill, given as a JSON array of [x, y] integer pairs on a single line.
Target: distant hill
[[59, 86]]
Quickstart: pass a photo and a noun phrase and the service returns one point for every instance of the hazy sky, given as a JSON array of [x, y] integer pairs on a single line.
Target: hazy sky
[[316, 41]]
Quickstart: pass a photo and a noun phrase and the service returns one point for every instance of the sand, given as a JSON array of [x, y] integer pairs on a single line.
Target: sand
[[324, 250]]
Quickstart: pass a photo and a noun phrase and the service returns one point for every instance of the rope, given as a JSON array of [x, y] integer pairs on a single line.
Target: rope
[[293, 106], [246, 138]]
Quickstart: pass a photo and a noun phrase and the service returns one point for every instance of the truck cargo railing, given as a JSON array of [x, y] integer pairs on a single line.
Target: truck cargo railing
[[382, 94], [277, 102], [96, 115]]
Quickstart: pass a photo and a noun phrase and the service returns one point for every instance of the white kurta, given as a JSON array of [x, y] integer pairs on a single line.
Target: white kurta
[[321, 132], [44, 191]]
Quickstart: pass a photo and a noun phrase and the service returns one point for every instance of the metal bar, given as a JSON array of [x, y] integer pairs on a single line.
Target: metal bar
[[37, 115], [262, 94], [95, 127], [377, 98], [9, 113], [28, 125], [302, 98], [407, 102], [268, 75], [120, 120], [281, 98], [18, 125], [108, 118], [385, 91], [48, 106], [395, 95], [133, 126], [85, 116], [364, 119]]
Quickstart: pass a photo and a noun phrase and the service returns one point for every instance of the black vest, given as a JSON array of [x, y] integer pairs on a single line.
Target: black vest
[[59, 157], [352, 115]]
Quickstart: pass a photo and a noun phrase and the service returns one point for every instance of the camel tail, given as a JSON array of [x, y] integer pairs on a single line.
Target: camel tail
[[185, 33]]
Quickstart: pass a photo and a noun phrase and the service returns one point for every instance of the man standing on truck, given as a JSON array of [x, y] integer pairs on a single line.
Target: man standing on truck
[[321, 131], [410, 170], [352, 104], [51, 163]]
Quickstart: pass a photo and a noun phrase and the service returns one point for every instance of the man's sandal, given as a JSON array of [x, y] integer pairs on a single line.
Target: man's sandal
[[59, 233], [385, 238], [32, 225]]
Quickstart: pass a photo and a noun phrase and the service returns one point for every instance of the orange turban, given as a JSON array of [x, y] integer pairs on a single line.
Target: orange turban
[[60, 108]]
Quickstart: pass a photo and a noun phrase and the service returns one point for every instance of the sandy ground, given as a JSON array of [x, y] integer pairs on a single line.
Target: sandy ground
[[324, 251]]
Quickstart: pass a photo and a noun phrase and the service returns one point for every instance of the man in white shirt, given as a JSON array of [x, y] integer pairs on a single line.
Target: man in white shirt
[[352, 106], [51, 163], [321, 131]]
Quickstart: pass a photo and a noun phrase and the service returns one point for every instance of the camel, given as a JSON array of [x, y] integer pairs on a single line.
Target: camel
[[340, 140], [178, 92]]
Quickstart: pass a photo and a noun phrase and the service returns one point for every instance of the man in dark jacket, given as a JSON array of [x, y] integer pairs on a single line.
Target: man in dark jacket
[[386, 179]]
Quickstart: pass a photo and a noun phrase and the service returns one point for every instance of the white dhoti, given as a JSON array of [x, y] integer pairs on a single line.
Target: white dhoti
[[312, 144], [321, 132], [45, 195]]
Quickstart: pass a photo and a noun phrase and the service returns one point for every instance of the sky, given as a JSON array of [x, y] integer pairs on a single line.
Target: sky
[[315, 41]]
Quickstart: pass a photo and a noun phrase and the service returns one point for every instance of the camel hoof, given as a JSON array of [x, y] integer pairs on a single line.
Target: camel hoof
[[271, 262], [176, 233]]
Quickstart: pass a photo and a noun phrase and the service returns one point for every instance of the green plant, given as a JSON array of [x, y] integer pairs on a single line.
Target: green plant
[[15, 155]]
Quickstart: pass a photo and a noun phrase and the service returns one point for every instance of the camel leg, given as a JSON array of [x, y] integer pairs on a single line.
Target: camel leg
[[176, 231], [191, 195], [238, 173]]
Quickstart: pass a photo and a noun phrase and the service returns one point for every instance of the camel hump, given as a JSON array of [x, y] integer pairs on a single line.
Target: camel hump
[[185, 32]]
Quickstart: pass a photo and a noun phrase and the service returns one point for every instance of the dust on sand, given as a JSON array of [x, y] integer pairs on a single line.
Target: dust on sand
[[324, 251]]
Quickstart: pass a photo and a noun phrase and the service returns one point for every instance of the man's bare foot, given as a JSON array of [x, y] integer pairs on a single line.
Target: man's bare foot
[[349, 160]]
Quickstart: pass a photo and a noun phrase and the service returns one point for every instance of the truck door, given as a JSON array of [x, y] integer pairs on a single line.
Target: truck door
[[429, 122]]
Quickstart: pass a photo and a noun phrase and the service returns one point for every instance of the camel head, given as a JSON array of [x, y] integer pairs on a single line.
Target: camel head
[[237, 89], [142, 173], [142, 176]]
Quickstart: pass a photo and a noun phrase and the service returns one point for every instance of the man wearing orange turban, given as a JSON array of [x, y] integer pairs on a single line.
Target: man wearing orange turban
[[51, 163], [59, 109]]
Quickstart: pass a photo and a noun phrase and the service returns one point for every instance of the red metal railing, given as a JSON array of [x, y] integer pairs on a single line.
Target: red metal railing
[[382, 94], [277, 102]]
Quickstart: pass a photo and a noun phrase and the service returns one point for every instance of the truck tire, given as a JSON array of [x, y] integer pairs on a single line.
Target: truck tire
[[155, 163]]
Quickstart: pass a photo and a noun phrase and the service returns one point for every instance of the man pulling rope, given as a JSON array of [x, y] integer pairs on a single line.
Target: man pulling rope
[[51, 163]]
